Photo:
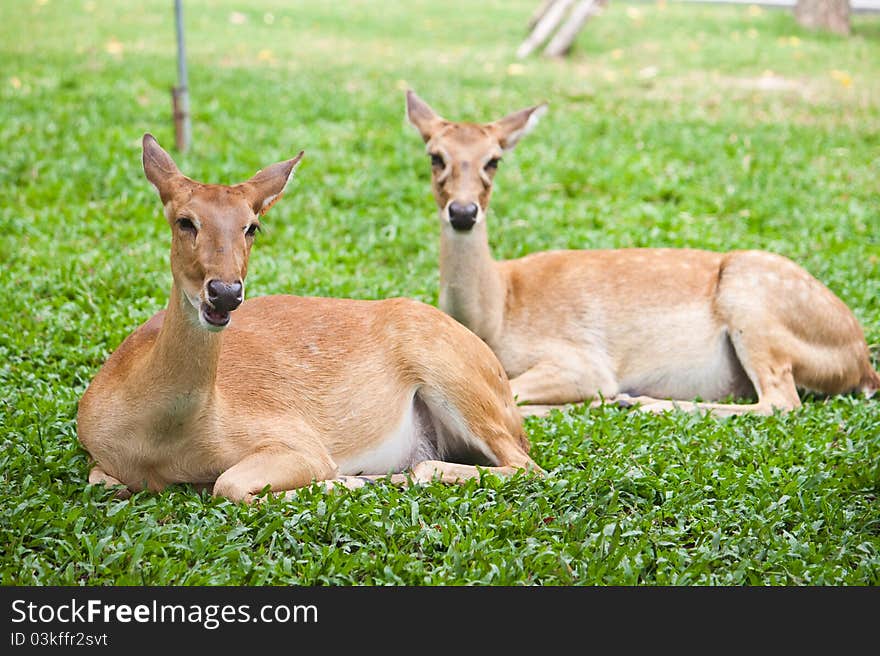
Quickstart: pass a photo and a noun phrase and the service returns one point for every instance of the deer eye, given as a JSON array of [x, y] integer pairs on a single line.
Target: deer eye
[[492, 164], [252, 229], [186, 225], [437, 160]]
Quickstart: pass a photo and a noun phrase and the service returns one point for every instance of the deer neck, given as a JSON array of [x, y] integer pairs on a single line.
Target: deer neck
[[472, 289], [182, 364]]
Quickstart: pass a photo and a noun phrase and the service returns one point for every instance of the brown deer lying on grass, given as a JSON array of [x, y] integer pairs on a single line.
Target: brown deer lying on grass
[[292, 390], [650, 323]]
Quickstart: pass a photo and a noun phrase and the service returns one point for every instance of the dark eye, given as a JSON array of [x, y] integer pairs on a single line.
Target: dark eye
[[252, 229], [186, 225], [437, 160], [492, 164]]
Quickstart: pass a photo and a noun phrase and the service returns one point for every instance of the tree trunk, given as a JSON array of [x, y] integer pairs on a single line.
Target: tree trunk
[[551, 17], [539, 13], [832, 15], [560, 44]]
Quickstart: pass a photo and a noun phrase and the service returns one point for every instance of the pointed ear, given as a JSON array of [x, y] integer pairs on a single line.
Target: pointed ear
[[513, 127], [159, 168], [267, 185], [421, 116]]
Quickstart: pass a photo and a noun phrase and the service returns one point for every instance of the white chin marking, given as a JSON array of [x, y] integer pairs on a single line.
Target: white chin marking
[[196, 302], [211, 327]]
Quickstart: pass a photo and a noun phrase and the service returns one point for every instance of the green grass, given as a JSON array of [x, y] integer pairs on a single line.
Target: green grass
[[660, 133]]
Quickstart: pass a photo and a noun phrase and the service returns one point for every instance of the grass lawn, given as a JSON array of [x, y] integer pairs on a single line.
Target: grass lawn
[[669, 125]]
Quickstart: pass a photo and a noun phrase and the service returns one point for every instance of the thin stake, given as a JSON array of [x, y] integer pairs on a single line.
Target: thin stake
[[180, 93]]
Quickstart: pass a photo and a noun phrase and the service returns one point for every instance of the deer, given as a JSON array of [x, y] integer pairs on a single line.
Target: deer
[[654, 328], [279, 392]]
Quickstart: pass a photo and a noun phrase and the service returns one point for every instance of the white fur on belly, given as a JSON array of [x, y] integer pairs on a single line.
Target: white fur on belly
[[396, 452], [685, 354]]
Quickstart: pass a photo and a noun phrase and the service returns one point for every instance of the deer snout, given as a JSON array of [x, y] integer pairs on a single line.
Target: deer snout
[[462, 216], [224, 296]]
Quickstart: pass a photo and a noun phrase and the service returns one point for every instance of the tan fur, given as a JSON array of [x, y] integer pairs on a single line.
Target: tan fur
[[293, 385], [635, 325]]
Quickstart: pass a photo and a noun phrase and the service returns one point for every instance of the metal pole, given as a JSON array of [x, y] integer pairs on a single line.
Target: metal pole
[[180, 93]]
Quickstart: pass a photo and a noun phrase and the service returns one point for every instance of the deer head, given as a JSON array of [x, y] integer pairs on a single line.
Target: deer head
[[213, 228], [465, 157]]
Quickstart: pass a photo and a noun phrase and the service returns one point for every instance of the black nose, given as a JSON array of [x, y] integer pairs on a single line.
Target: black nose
[[224, 296], [461, 216]]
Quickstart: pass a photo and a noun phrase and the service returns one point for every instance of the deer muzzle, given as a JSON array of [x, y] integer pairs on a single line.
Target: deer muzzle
[[223, 298], [462, 216]]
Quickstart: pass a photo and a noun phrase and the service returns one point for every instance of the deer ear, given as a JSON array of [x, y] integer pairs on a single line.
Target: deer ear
[[159, 168], [514, 127], [421, 116], [267, 185]]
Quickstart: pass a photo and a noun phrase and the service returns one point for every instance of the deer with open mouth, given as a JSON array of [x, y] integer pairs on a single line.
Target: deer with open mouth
[[278, 392]]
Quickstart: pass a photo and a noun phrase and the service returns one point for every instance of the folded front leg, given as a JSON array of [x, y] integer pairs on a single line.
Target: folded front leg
[[452, 472], [280, 467], [99, 477], [553, 385]]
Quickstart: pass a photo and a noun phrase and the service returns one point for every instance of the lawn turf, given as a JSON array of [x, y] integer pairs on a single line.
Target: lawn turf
[[669, 125]]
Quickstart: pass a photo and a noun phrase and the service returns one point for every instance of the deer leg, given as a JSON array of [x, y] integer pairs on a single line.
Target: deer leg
[[774, 383], [99, 477], [279, 467], [423, 472], [501, 435], [715, 409], [357, 482], [511, 456], [778, 393], [451, 472], [470, 407], [548, 386]]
